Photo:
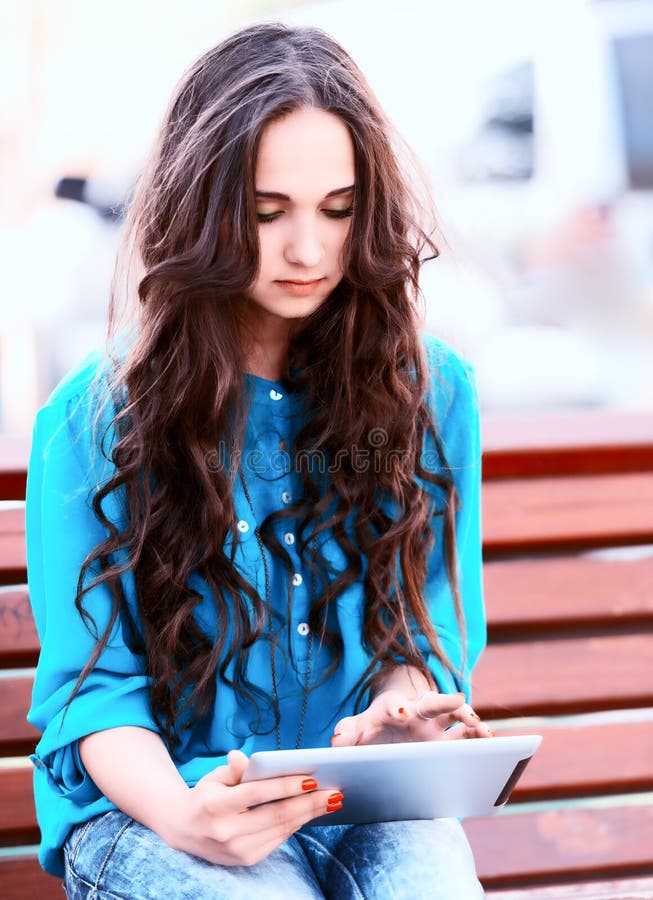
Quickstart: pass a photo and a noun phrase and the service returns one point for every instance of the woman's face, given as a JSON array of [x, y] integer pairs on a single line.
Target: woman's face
[[304, 196]]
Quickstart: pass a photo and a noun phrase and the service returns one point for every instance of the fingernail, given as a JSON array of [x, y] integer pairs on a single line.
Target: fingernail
[[475, 715], [309, 784], [402, 711], [493, 733], [335, 798], [334, 808], [336, 735]]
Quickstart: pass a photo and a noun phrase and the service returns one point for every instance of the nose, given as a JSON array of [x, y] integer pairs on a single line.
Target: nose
[[304, 246]]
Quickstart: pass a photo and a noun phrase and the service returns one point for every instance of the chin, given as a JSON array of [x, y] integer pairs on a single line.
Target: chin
[[295, 308]]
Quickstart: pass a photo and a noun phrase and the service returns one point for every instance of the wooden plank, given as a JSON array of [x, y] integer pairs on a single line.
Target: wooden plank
[[14, 456], [17, 736], [564, 676], [523, 596], [587, 760], [558, 844], [21, 878], [527, 595], [553, 514], [566, 442], [13, 564], [624, 889], [566, 765], [17, 813], [19, 642]]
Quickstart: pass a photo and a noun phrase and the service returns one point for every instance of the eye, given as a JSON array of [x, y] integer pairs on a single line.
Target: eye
[[339, 213], [267, 217]]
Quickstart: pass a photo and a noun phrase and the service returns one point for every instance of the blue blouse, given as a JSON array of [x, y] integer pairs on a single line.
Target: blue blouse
[[64, 470]]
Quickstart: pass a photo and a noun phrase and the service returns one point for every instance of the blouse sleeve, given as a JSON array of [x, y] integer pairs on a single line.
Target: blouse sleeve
[[455, 406], [61, 530]]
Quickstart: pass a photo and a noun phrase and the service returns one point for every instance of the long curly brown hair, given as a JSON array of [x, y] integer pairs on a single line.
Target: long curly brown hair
[[191, 245]]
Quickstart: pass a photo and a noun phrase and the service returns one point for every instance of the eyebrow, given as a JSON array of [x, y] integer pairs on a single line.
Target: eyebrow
[[275, 195]]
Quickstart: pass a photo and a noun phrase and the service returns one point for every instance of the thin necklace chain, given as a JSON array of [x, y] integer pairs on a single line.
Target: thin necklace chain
[[273, 643]]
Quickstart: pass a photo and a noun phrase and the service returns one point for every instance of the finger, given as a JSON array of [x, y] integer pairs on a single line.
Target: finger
[[237, 762], [267, 790], [288, 815], [460, 731], [347, 732], [256, 845], [231, 773], [432, 704], [473, 721]]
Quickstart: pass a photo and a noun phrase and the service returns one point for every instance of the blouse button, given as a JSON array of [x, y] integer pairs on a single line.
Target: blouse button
[[297, 579], [286, 496], [303, 629], [275, 395], [243, 526], [289, 538]]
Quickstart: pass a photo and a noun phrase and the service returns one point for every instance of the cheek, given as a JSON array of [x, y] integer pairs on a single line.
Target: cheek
[[267, 249], [338, 247]]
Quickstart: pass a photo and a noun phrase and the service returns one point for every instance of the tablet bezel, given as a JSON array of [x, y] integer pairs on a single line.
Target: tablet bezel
[[413, 780]]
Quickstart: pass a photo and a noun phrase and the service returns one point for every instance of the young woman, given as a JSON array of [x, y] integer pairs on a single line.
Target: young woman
[[254, 522]]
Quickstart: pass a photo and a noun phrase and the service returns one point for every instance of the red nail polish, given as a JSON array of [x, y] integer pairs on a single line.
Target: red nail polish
[[309, 784], [333, 807], [402, 711], [335, 798]]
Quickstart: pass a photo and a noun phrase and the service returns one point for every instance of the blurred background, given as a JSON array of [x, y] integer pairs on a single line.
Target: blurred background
[[532, 121]]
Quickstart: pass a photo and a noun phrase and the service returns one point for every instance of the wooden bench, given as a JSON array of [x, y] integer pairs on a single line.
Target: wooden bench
[[568, 570], [568, 544]]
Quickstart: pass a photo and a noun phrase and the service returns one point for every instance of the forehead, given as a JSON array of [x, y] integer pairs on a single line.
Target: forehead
[[307, 153]]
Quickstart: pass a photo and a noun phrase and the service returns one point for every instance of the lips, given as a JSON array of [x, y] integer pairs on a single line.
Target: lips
[[299, 288]]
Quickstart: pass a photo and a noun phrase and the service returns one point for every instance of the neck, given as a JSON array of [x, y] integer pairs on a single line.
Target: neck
[[267, 360], [265, 340]]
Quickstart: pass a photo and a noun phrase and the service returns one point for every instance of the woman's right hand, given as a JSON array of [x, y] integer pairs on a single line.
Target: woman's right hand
[[222, 821]]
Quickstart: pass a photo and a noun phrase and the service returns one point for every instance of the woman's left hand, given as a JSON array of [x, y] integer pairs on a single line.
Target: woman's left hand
[[393, 717]]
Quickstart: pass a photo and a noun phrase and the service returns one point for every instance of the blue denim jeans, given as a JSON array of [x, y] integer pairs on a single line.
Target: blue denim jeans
[[112, 857]]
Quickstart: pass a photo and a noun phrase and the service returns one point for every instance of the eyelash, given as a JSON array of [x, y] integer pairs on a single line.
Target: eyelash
[[330, 213]]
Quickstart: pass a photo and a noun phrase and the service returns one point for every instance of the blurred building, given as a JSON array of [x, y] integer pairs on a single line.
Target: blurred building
[[531, 121]]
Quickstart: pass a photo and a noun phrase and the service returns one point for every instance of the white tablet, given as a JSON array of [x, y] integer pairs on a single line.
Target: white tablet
[[419, 780]]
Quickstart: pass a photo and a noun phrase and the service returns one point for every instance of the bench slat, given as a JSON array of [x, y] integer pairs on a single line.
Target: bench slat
[[21, 878], [524, 596], [13, 564], [562, 844], [14, 456], [624, 889], [17, 813], [564, 676], [17, 736], [519, 516], [565, 443], [567, 513], [19, 643], [570, 762], [587, 760]]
